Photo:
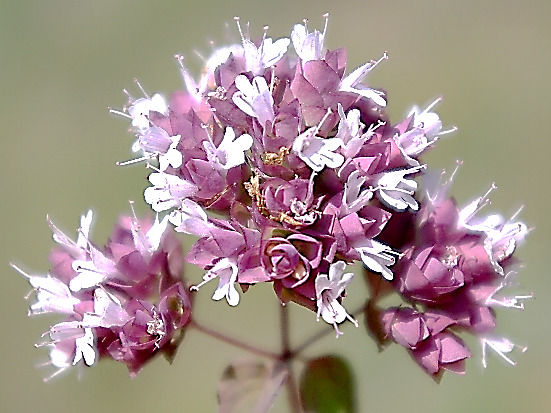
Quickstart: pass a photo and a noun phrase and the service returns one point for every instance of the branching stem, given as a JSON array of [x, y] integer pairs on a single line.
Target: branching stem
[[232, 341]]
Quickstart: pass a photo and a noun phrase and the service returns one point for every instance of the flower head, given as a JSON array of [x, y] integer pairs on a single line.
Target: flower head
[[109, 292], [287, 168]]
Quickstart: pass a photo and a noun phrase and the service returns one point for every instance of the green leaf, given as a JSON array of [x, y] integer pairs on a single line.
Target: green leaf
[[327, 386]]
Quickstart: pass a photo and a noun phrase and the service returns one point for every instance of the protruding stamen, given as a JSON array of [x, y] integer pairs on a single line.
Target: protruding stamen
[[516, 214], [199, 55], [136, 222], [180, 59], [118, 112], [445, 132], [238, 22], [137, 82], [458, 163], [326, 16], [130, 97], [198, 286], [149, 166], [133, 161], [374, 63], [19, 270], [484, 200], [54, 374], [265, 29], [433, 104]]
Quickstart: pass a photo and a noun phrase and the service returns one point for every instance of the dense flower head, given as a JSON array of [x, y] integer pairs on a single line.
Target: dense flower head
[[126, 301], [284, 163], [451, 277]]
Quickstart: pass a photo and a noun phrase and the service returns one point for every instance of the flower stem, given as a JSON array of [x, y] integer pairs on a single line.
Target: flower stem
[[292, 391], [287, 358], [284, 324], [232, 341]]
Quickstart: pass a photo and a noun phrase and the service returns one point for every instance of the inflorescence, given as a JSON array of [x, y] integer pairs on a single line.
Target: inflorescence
[[288, 170]]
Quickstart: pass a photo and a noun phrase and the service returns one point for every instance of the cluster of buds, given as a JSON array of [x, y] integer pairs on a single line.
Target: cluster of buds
[[288, 170], [127, 301]]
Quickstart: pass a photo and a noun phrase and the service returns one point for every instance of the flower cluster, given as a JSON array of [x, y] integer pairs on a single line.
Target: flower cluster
[[295, 156], [452, 273], [286, 167], [306, 175], [126, 301]]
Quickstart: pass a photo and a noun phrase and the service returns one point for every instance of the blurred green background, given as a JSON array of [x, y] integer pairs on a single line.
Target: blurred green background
[[62, 63]]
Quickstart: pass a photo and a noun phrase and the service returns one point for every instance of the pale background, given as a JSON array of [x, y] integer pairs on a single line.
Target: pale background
[[62, 63]]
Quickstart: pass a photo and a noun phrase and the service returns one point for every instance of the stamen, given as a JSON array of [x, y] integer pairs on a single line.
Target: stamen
[[180, 59], [188, 80], [483, 201], [516, 214], [433, 104], [453, 129], [372, 128], [199, 55], [54, 374], [196, 287], [133, 161], [374, 63], [238, 22], [326, 16], [19, 270], [118, 112], [248, 31], [137, 82], [130, 97], [136, 222], [458, 163], [79, 267], [265, 28], [149, 166]]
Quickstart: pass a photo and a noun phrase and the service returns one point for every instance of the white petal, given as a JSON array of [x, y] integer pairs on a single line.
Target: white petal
[[85, 349]]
